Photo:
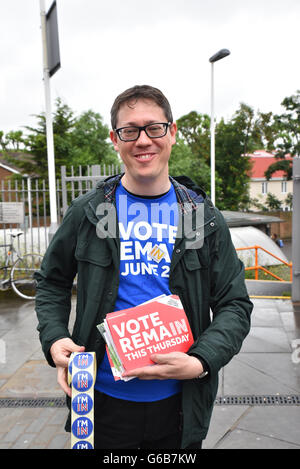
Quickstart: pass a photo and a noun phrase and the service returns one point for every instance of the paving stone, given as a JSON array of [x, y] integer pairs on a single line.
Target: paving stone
[[267, 317], [5, 445], [14, 433], [246, 370], [24, 440], [34, 378], [266, 339], [223, 419], [46, 435], [241, 439], [280, 422], [59, 441]]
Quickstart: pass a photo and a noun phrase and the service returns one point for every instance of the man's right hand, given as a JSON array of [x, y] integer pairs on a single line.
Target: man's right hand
[[60, 352]]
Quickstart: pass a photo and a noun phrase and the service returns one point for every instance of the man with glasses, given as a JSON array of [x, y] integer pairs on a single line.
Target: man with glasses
[[167, 405]]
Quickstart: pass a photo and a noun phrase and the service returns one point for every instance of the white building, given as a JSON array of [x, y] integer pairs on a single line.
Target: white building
[[259, 186]]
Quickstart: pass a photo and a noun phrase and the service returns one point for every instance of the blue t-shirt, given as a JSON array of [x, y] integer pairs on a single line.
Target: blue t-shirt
[[144, 224]]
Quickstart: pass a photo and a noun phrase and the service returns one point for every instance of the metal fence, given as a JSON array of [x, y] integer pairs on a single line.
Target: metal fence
[[24, 204], [86, 178]]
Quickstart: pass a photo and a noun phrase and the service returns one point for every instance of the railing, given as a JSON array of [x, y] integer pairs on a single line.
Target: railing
[[33, 195], [258, 267], [77, 181]]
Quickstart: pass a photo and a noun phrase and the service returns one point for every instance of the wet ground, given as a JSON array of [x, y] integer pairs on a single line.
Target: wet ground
[[258, 396]]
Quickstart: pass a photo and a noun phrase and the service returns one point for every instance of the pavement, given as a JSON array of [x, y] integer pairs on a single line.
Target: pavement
[[258, 401]]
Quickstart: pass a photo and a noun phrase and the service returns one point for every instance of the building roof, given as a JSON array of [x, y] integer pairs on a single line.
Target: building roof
[[261, 160], [9, 168], [234, 219]]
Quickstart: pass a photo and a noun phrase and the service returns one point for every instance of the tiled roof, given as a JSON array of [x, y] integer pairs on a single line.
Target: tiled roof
[[261, 160]]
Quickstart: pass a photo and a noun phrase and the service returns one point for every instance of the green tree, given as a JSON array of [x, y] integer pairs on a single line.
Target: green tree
[[288, 136], [11, 141], [191, 154], [257, 202], [36, 142], [3, 142], [90, 141], [82, 140], [15, 139], [194, 130], [267, 130], [234, 139], [272, 202], [184, 162], [246, 124], [289, 200]]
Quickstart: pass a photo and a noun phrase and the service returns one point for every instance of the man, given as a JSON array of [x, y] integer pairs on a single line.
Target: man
[[106, 238]]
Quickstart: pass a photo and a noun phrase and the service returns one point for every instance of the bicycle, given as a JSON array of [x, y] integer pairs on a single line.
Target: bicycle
[[19, 273]]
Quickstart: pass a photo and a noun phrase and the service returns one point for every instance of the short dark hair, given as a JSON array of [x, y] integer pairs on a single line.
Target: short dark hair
[[140, 92]]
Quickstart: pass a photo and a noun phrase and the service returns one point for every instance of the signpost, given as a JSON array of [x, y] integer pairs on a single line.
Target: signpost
[[11, 212], [51, 63]]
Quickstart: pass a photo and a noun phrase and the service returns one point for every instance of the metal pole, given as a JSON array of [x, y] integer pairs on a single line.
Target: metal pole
[[49, 127], [218, 56], [296, 232], [29, 201], [212, 140]]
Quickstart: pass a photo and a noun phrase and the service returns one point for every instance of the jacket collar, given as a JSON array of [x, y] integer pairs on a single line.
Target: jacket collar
[[187, 199], [190, 199]]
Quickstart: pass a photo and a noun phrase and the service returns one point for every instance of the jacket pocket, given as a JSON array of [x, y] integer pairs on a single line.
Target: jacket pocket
[[93, 251], [195, 259]]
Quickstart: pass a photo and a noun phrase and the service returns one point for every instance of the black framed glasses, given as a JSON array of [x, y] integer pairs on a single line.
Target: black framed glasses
[[132, 132]]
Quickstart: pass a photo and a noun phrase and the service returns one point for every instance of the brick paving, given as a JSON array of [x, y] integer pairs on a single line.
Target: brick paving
[[33, 428]]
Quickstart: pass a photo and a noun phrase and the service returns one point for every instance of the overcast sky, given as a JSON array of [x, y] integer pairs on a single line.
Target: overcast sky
[[108, 46]]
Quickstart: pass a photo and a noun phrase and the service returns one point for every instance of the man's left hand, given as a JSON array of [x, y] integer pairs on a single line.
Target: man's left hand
[[175, 365]]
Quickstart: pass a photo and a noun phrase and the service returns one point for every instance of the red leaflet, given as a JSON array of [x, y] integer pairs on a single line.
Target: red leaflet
[[134, 334]]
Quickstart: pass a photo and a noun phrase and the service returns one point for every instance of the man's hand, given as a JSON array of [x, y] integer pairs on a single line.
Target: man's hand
[[60, 352], [175, 365]]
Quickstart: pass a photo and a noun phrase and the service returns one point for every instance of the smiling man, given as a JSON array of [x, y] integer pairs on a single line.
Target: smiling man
[[144, 138], [169, 404]]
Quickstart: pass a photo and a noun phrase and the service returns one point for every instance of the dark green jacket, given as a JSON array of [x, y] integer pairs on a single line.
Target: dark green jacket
[[205, 272]]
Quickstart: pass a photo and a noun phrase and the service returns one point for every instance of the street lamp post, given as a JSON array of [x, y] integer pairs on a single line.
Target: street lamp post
[[218, 56]]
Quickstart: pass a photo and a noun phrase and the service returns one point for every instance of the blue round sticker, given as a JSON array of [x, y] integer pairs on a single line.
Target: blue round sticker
[[82, 427], [83, 445], [82, 404], [82, 380], [70, 366], [83, 360]]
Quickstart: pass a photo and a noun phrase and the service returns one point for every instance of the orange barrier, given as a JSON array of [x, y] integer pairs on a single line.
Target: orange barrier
[[257, 267]]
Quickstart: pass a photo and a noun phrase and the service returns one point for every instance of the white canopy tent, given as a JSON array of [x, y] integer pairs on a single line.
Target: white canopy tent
[[248, 236]]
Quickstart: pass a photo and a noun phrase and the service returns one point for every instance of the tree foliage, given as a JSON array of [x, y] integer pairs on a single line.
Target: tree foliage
[[194, 130], [79, 140], [272, 202], [184, 162], [191, 155], [84, 140], [286, 127], [233, 140]]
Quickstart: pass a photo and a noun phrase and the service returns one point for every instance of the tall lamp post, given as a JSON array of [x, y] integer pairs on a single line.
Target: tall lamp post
[[218, 56]]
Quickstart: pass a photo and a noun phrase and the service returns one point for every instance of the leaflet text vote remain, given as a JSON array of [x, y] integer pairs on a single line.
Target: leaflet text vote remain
[[137, 333]]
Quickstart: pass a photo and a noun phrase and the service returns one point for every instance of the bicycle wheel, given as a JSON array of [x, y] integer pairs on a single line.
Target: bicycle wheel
[[22, 272]]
